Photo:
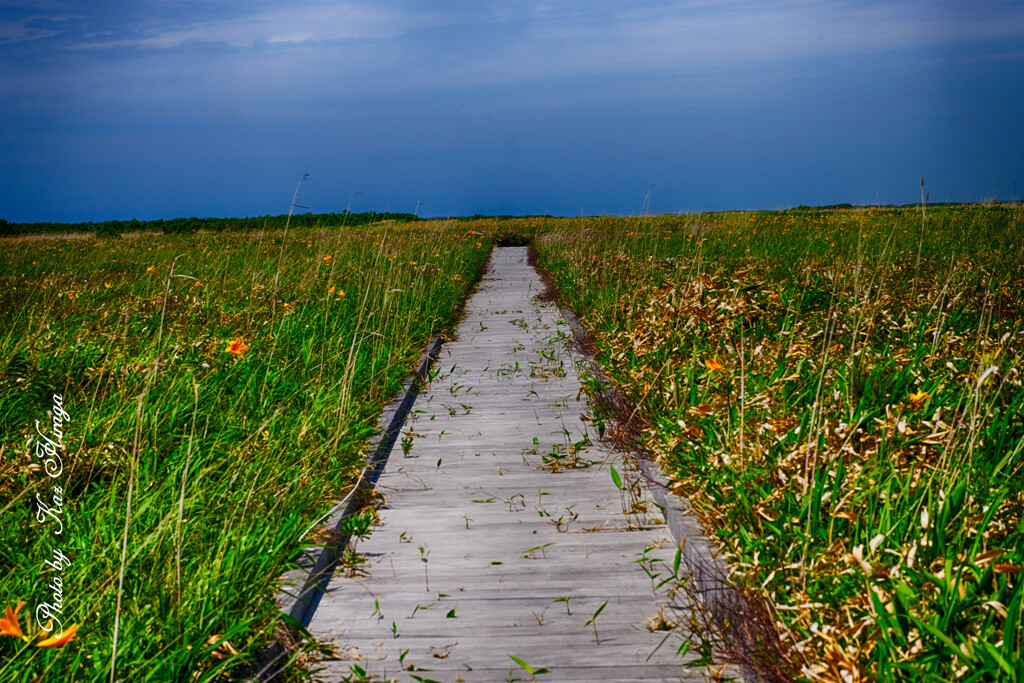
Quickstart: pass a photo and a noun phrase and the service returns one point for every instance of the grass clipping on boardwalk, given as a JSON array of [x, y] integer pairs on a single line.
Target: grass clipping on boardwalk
[[839, 394]]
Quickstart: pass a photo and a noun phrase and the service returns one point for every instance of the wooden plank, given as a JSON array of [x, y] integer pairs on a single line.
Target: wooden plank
[[504, 537]]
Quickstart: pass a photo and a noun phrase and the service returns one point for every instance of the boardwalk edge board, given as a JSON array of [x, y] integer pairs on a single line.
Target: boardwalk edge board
[[708, 573], [303, 586]]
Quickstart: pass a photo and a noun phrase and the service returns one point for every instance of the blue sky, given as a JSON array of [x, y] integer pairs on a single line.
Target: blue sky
[[141, 109]]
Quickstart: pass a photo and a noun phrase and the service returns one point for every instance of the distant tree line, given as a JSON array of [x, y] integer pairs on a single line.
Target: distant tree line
[[933, 208], [915, 205], [190, 225], [346, 219]]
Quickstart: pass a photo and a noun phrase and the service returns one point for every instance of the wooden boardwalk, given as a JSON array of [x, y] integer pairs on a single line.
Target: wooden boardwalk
[[502, 532]]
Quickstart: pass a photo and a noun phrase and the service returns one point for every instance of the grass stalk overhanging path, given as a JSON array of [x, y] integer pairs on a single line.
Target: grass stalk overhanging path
[[840, 393], [221, 388]]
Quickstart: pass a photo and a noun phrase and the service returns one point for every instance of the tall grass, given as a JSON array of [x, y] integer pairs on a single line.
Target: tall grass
[[191, 471], [859, 450]]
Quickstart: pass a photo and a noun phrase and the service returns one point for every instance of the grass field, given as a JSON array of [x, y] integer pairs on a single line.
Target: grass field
[[219, 390], [839, 394]]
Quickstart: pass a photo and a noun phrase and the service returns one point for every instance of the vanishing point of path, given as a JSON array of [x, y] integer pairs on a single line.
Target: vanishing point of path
[[498, 537]]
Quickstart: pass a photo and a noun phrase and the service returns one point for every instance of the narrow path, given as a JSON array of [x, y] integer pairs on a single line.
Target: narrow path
[[502, 532]]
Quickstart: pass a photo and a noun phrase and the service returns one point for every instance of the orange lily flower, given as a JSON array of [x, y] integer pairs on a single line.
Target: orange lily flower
[[918, 399], [54, 641], [713, 364], [9, 623], [236, 347]]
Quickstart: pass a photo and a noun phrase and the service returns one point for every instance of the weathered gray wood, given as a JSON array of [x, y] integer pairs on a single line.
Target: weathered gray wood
[[504, 537]]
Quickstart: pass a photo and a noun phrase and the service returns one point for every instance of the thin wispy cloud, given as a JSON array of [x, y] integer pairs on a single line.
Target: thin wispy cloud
[[371, 48], [33, 27], [295, 24], [746, 28], [427, 47]]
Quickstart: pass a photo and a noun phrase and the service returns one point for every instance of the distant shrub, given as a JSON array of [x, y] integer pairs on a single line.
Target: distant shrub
[[181, 226], [109, 229]]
